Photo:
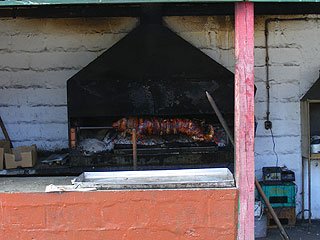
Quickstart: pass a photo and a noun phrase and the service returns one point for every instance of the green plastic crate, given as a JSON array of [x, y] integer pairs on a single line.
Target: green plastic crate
[[283, 195]]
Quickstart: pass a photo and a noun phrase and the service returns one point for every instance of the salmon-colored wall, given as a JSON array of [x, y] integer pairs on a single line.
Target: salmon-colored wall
[[150, 214]]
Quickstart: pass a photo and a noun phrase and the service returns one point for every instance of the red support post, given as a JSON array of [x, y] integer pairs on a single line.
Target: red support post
[[244, 116]]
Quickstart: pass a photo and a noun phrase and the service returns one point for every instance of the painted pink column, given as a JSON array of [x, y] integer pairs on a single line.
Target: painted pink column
[[244, 116]]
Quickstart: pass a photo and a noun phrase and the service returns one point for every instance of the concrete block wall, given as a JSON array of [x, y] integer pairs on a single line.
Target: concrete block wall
[[37, 56], [294, 67], [212, 35]]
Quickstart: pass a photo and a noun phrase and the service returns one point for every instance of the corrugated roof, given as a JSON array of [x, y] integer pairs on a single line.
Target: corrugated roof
[[72, 2], [12, 3]]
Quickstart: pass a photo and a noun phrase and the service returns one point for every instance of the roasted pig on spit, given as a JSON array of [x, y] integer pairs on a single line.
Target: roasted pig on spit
[[164, 126]]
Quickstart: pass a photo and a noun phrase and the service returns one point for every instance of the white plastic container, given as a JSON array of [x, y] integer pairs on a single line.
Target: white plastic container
[[260, 226], [315, 144], [258, 208]]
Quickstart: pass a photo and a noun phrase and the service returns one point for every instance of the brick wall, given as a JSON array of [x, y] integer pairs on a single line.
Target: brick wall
[[152, 214]]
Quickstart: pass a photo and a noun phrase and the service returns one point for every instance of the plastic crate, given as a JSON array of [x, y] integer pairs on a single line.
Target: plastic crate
[[280, 195]]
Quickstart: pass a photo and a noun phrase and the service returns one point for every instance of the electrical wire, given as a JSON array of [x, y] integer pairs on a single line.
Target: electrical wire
[[302, 211], [274, 147]]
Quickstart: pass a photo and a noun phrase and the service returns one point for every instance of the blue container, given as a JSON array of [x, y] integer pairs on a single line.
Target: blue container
[[280, 195]]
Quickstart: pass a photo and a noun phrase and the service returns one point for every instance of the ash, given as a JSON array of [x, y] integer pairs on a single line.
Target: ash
[[93, 145]]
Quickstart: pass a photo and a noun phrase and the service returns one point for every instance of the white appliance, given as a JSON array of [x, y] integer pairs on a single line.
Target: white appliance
[[315, 144]]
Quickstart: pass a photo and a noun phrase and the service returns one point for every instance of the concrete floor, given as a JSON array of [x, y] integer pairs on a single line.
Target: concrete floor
[[302, 231]]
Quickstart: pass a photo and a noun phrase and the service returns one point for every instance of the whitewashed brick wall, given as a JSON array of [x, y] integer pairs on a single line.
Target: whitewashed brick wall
[[37, 56], [294, 67]]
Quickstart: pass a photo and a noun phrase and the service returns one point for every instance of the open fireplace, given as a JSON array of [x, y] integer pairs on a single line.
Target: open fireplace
[[152, 81]]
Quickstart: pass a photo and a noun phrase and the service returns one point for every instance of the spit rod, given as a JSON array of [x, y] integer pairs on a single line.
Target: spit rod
[[134, 148], [258, 186], [220, 117], [5, 133], [273, 214], [104, 127]]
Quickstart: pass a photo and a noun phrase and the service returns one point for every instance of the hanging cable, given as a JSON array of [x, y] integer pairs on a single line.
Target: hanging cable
[[268, 123], [274, 147]]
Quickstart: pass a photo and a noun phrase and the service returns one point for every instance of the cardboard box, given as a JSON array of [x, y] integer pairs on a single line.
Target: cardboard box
[[21, 157], [1, 158], [4, 148], [5, 145]]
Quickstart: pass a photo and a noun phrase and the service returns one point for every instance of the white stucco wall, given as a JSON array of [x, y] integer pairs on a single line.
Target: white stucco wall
[[37, 56]]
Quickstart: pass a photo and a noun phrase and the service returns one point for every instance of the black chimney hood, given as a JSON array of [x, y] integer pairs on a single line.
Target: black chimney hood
[[151, 71], [314, 92]]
